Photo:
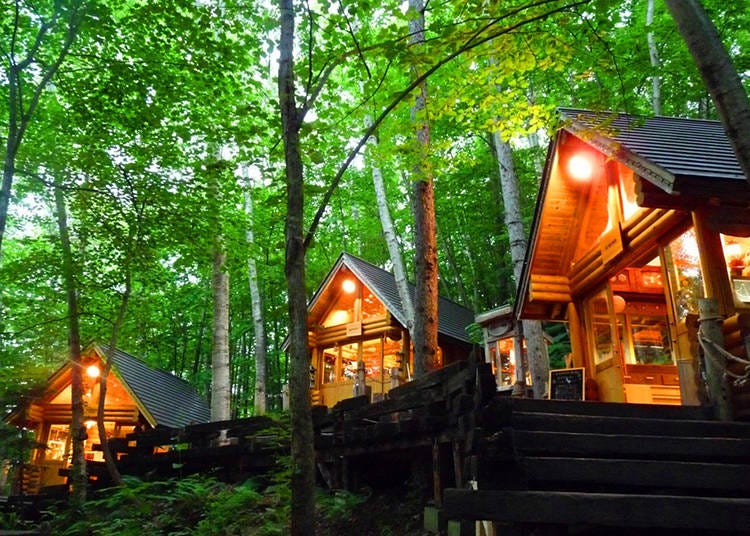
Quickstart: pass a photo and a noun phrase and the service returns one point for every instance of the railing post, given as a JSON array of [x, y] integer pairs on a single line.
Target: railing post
[[715, 363]]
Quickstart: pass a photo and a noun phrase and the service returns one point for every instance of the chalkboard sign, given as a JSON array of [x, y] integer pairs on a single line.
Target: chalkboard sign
[[566, 384]]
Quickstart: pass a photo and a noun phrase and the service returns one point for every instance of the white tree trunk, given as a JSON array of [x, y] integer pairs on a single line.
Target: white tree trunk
[[653, 55], [220, 391], [532, 329], [391, 240], [261, 366]]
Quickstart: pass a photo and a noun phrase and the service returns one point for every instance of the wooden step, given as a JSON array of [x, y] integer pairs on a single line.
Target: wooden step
[[628, 425], [654, 447], [599, 509], [684, 478]]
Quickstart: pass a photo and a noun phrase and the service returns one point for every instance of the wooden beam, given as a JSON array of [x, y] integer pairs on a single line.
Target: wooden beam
[[604, 509]]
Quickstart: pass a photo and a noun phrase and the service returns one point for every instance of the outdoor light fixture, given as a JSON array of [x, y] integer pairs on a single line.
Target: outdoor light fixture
[[349, 286], [580, 167], [92, 371]]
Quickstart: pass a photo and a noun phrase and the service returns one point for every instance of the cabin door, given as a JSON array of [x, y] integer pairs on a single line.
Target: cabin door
[[605, 333]]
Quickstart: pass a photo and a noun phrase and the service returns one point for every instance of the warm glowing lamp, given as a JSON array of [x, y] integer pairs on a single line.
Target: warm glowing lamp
[[348, 286], [580, 168], [92, 371]]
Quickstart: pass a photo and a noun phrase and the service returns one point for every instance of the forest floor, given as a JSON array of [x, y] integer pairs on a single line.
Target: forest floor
[[384, 512]]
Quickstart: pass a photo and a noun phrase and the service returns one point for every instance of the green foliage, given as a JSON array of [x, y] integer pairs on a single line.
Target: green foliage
[[196, 505]]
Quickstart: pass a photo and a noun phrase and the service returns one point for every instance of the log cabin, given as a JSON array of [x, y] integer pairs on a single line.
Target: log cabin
[[138, 397], [637, 219], [355, 320]]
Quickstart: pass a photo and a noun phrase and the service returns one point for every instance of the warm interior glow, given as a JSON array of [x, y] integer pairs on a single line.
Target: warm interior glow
[[580, 168], [92, 371], [349, 286]]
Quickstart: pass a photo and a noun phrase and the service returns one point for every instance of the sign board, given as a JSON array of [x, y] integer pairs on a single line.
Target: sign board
[[610, 244], [567, 384], [354, 329]]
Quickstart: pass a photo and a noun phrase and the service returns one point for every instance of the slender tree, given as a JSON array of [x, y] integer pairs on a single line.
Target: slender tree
[[29, 70], [720, 76], [261, 360], [425, 337], [303, 455], [78, 476]]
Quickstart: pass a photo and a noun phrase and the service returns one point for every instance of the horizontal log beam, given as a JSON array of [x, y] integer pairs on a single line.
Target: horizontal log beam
[[604, 509]]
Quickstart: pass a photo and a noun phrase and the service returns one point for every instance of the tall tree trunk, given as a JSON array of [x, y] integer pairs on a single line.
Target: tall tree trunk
[[720, 76], [220, 388], [78, 478], [653, 55], [538, 358], [261, 364], [391, 240], [425, 337], [220, 373], [303, 454]]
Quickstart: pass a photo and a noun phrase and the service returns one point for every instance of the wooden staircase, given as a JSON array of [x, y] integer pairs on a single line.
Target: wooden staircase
[[588, 466]]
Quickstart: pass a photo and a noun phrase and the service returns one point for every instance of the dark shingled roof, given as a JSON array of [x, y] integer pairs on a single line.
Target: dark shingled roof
[[453, 318], [661, 149], [169, 400]]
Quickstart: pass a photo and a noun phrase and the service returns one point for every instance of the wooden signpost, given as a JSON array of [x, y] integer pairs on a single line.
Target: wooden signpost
[[567, 384]]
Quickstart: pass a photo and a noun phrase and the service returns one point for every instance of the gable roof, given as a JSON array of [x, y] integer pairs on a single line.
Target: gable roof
[[452, 318], [163, 398], [667, 151]]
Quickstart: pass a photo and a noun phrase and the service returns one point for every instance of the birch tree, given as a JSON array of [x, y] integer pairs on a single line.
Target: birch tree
[[653, 54], [391, 239], [261, 365], [532, 329]]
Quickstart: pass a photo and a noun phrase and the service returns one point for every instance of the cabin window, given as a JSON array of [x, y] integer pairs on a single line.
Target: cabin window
[[502, 354], [58, 442], [737, 257], [354, 303], [371, 306], [685, 277], [603, 347], [329, 364]]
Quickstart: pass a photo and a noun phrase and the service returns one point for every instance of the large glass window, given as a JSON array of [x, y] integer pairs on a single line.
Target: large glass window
[[684, 271], [737, 257]]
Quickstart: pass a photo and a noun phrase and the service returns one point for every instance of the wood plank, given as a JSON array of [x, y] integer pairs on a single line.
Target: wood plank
[[658, 447], [662, 475], [604, 509]]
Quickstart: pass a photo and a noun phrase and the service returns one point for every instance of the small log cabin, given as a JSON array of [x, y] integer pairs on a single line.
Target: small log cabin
[[637, 218], [138, 396], [355, 319]]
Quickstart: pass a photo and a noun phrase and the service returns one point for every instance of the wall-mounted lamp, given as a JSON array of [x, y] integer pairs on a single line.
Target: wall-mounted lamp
[[349, 286], [580, 167], [93, 371]]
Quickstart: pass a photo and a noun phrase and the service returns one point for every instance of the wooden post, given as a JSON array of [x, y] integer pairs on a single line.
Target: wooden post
[[715, 363], [458, 463], [437, 474]]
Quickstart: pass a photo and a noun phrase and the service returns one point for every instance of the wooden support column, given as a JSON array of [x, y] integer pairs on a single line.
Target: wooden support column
[[458, 463], [437, 474], [713, 265], [715, 363]]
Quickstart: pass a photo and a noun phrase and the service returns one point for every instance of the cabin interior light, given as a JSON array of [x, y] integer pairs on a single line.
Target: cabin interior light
[[580, 167], [92, 371], [349, 286]]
